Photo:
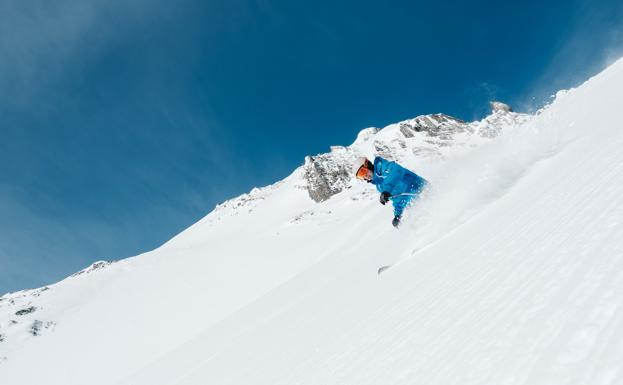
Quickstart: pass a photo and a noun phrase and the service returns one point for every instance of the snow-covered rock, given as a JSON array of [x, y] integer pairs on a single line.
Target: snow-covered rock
[[328, 174], [500, 107]]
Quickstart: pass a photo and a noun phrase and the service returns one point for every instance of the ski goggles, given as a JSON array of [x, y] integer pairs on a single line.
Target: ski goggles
[[363, 172]]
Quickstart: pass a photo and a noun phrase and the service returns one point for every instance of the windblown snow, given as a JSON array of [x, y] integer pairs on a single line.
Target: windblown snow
[[509, 270]]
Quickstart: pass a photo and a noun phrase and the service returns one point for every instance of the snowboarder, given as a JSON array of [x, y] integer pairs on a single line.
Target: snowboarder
[[393, 181]]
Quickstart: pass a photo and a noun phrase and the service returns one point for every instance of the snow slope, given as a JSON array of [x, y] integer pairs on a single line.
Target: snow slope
[[508, 271]]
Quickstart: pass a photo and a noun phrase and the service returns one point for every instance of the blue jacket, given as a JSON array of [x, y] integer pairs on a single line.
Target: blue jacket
[[395, 179]]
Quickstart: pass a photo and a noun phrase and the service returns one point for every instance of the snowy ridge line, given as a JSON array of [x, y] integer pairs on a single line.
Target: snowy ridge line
[[518, 277], [416, 142], [433, 131]]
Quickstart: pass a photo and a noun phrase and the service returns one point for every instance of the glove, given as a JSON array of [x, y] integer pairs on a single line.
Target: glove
[[396, 222], [384, 197]]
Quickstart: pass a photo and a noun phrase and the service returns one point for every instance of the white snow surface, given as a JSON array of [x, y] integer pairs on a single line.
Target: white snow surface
[[508, 271]]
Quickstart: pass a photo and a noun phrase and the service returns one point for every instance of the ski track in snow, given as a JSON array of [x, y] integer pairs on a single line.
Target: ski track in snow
[[509, 271]]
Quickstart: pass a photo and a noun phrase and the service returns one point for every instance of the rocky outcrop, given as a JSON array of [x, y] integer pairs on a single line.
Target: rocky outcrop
[[25, 311], [436, 125], [328, 174], [93, 267], [37, 327], [499, 106]]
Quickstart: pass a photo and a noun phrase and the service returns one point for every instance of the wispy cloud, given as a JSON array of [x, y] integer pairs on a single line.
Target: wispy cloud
[[38, 37]]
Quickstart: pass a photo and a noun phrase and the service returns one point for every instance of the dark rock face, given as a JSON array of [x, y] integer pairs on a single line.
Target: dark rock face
[[37, 327], [327, 174], [25, 311]]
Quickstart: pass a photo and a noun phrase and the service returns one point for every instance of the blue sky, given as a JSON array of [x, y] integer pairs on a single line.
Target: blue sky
[[122, 123]]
